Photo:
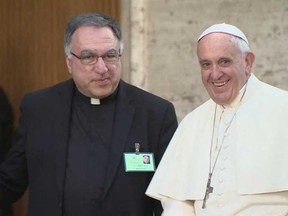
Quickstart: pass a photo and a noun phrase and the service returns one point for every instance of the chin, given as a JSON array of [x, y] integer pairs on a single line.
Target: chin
[[220, 101]]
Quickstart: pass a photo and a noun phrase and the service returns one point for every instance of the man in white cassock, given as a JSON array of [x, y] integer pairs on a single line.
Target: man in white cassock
[[232, 150]]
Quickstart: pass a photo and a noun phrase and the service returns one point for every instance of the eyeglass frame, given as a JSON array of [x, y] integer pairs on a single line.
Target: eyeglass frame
[[97, 57]]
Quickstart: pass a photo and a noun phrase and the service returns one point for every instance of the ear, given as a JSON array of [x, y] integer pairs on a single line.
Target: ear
[[68, 63], [249, 59]]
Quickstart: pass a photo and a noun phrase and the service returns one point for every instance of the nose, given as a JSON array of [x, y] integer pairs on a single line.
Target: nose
[[100, 66], [216, 72]]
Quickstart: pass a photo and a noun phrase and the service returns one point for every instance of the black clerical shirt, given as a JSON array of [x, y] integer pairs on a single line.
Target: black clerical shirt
[[91, 130]]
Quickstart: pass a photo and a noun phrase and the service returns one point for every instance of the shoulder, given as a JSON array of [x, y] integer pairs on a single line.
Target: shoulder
[[57, 88], [202, 110], [142, 97], [266, 94], [49, 95]]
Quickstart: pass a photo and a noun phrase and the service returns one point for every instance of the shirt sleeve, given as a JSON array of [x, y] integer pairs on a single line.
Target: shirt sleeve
[[174, 207]]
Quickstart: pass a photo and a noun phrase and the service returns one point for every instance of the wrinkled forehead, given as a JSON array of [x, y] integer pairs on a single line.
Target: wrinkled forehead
[[226, 29]]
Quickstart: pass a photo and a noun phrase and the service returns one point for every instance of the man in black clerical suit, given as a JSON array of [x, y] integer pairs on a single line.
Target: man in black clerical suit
[[78, 142], [6, 132]]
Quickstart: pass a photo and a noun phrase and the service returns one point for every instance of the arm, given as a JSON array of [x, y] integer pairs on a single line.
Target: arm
[[174, 207], [13, 171], [168, 128], [13, 176]]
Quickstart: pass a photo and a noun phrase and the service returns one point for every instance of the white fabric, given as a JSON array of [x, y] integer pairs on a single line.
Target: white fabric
[[224, 28], [252, 205], [177, 208], [260, 140], [225, 201], [95, 101]]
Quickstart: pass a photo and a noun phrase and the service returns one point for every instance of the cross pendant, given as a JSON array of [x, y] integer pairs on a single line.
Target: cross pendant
[[209, 190]]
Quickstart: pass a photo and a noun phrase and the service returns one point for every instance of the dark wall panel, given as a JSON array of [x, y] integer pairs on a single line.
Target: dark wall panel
[[31, 46]]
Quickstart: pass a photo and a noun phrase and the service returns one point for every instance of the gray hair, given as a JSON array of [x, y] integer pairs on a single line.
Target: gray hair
[[90, 19], [241, 44]]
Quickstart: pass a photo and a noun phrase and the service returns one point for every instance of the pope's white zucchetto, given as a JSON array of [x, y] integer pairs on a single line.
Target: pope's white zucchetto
[[224, 28]]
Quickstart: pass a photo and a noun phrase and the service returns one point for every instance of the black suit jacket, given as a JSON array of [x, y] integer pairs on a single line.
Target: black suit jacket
[[6, 132], [39, 154], [6, 124]]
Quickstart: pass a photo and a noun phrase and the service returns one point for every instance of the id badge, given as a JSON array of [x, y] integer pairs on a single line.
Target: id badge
[[139, 162]]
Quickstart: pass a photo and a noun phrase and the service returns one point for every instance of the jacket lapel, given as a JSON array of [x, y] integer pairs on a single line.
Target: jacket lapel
[[123, 121], [62, 111]]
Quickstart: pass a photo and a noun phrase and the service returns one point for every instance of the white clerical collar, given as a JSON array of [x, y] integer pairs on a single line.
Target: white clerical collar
[[95, 101]]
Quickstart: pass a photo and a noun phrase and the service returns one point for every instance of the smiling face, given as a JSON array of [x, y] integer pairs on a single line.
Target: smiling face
[[224, 68], [146, 159], [97, 80]]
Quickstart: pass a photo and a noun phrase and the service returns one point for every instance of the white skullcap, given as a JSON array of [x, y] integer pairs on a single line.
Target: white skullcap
[[224, 28]]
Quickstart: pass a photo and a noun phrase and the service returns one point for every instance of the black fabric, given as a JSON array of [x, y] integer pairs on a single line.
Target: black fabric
[[6, 124], [6, 132], [39, 156], [88, 152]]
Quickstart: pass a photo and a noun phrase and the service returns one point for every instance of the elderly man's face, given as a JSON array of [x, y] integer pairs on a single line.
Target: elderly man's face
[[146, 159], [224, 68], [100, 79]]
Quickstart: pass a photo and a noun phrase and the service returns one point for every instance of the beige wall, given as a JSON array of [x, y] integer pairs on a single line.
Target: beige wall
[[160, 37]]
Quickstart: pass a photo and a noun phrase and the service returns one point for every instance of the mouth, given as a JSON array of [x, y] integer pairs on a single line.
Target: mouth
[[220, 83], [103, 81]]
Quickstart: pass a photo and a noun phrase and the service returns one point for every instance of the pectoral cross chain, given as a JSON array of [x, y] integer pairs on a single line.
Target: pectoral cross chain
[[209, 190]]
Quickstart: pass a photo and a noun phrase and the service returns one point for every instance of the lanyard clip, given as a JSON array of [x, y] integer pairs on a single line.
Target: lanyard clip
[[137, 148]]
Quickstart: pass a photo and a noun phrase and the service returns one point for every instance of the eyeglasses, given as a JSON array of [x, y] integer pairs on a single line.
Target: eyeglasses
[[92, 58]]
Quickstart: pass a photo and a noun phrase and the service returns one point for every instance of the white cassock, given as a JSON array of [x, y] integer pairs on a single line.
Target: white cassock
[[251, 173]]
